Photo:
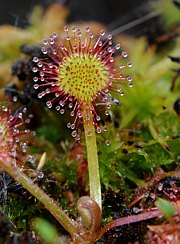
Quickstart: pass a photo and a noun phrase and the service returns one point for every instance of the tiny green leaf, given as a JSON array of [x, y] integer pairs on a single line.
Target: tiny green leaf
[[165, 207], [45, 230]]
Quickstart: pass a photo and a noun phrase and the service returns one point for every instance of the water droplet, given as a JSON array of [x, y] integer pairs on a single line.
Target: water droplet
[[136, 210], [130, 64], [31, 159], [41, 73], [89, 133], [122, 94], [87, 29], [98, 118], [39, 64], [107, 142], [121, 66], [40, 95], [109, 49], [119, 89], [47, 91], [20, 115], [74, 133], [58, 108], [117, 47], [61, 103], [51, 41], [49, 104], [27, 121], [36, 86], [77, 137], [160, 186], [62, 111], [72, 113], [66, 28], [124, 54], [68, 125], [109, 37], [152, 195], [129, 78], [35, 79], [130, 84], [34, 69], [108, 105], [79, 114], [45, 42], [70, 105], [4, 109], [43, 50], [33, 133], [35, 60], [54, 35], [40, 175], [100, 44], [14, 99], [116, 101], [105, 128], [73, 29], [102, 32], [23, 147], [98, 130], [72, 126]]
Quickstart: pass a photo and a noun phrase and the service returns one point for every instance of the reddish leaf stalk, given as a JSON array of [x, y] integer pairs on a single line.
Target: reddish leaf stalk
[[129, 220]]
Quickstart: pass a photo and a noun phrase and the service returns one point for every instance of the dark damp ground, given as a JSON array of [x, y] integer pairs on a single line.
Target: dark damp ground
[[113, 13]]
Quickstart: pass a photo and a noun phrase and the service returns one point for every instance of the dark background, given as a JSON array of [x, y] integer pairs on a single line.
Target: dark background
[[113, 13]]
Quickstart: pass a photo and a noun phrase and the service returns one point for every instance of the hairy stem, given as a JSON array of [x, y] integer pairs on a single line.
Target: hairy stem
[[93, 165], [48, 202]]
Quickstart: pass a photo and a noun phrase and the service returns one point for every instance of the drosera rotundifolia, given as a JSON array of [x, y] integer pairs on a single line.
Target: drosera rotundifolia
[[82, 74]]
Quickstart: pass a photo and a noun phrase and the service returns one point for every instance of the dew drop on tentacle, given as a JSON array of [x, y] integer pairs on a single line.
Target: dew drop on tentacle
[[74, 133], [98, 130], [49, 104], [68, 125], [124, 54], [36, 86], [44, 50], [35, 60], [107, 142], [45, 42], [102, 32], [129, 65], [23, 147], [62, 111], [98, 118], [72, 126], [40, 175], [117, 47], [35, 79], [34, 69], [89, 133], [121, 66], [77, 138]]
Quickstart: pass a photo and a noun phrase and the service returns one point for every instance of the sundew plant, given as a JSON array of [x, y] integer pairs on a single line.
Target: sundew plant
[[89, 143], [79, 74]]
